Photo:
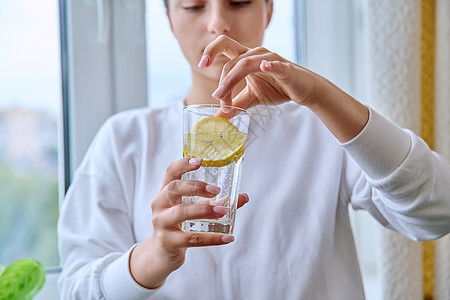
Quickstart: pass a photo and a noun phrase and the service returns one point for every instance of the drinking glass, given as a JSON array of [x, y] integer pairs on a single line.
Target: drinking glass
[[219, 139]]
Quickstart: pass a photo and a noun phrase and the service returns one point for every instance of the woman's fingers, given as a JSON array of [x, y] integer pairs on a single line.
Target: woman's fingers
[[238, 59], [174, 188], [243, 100], [221, 45], [235, 71], [177, 168], [297, 83], [242, 199], [172, 193], [276, 68], [173, 216], [166, 225], [223, 201], [177, 214], [178, 188], [271, 79], [177, 240]]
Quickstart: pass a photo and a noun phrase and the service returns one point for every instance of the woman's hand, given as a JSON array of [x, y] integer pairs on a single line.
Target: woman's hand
[[164, 251], [271, 79]]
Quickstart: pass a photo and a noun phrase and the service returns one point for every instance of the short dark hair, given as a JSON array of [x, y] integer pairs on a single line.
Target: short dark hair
[[166, 3]]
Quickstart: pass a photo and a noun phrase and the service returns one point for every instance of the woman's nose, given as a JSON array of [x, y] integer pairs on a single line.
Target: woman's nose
[[219, 21]]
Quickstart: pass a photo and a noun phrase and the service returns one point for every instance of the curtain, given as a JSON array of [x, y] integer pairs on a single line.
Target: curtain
[[407, 54]]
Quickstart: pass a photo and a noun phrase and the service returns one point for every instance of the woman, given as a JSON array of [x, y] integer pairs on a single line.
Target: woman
[[311, 156]]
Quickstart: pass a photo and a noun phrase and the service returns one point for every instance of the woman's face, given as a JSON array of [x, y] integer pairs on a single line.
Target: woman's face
[[195, 23]]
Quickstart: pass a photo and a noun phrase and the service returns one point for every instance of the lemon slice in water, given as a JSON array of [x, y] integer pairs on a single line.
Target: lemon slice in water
[[216, 140]]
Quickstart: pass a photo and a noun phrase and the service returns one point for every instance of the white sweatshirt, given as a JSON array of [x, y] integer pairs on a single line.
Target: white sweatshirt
[[292, 240]]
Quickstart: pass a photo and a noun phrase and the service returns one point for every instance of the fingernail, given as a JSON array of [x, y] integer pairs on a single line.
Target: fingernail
[[213, 189], [266, 64], [218, 93], [221, 210], [227, 239], [247, 198], [195, 161], [225, 109], [203, 62]]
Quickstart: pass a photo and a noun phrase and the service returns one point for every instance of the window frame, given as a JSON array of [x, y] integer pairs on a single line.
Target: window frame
[[97, 81]]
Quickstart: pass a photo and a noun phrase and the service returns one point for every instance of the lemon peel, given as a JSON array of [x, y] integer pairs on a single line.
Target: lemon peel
[[216, 140]]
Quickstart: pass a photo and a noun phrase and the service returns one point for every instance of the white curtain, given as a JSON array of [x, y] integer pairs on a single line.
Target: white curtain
[[393, 48]]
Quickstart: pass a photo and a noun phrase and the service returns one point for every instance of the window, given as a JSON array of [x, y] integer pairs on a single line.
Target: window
[[30, 97], [104, 67]]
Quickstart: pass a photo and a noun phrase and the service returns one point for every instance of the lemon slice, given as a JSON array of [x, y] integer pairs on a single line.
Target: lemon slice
[[216, 140]]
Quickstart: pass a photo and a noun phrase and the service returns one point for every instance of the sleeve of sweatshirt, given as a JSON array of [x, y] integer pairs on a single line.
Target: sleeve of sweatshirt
[[95, 228], [403, 184]]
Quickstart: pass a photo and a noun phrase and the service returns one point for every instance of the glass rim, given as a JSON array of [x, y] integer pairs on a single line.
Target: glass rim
[[241, 110]]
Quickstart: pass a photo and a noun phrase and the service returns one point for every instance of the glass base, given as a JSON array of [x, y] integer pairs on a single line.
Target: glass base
[[207, 227]]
